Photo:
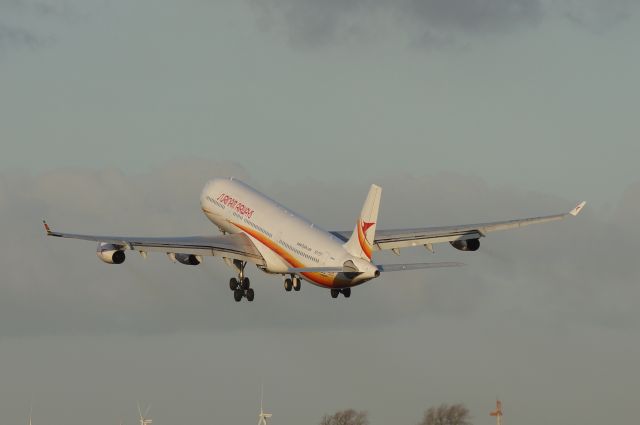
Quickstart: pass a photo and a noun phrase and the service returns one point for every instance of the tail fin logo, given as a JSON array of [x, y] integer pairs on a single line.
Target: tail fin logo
[[362, 237], [366, 226]]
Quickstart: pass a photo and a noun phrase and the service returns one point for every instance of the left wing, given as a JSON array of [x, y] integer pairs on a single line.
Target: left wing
[[404, 238], [234, 246]]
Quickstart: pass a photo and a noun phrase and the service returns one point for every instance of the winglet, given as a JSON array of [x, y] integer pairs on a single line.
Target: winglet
[[47, 228], [574, 212]]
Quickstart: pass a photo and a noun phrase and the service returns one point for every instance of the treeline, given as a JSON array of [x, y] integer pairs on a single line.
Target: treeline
[[445, 414]]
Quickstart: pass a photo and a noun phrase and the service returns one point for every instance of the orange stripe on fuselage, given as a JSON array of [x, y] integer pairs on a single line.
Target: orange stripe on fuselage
[[318, 278]]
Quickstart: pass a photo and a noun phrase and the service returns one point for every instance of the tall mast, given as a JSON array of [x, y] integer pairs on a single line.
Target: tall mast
[[262, 417]]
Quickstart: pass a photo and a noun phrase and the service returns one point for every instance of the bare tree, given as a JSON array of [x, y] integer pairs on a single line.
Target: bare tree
[[346, 417], [455, 414]]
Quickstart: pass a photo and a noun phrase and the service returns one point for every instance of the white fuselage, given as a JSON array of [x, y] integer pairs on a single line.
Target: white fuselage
[[284, 239]]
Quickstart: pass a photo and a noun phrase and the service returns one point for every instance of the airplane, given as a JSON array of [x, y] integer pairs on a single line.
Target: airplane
[[256, 229]]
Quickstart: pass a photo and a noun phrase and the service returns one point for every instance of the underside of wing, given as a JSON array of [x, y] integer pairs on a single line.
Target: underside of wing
[[234, 246], [403, 238]]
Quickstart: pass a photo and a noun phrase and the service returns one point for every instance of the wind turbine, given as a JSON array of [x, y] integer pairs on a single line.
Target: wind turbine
[[498, 412], [30, 409], [262, 417], [143, 418]]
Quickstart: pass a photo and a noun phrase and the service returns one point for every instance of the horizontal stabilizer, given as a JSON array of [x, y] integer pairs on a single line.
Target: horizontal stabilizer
[[381, 267], [416, 266]]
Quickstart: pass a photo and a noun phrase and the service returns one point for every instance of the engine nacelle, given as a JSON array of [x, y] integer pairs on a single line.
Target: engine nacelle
[[466, 245], [110, 254], [188, 259]]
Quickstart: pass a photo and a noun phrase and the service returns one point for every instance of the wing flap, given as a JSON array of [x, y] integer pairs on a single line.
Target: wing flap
[[411, 240]]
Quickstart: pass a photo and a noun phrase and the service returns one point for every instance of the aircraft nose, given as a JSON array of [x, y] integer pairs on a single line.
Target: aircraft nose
[[207, 190]]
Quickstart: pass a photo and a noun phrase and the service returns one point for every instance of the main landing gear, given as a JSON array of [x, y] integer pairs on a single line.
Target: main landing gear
[[292, 283], [241, 286], [345, 291]]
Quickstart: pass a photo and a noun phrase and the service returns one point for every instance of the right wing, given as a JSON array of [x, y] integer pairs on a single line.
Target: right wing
[[235, 246], [427, 236]]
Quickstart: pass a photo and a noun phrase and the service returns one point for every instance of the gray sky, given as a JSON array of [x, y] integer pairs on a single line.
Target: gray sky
[[114, 114]]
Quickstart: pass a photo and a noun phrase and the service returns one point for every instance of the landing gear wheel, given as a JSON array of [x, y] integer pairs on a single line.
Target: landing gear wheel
[[233, 284], [249, 294], [297, 284], [237, 295], [346, 292], [335, 293], [288, 284], [245, 283]]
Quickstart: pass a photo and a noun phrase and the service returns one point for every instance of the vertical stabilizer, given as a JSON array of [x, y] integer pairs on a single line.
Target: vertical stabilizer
[[361, 242]]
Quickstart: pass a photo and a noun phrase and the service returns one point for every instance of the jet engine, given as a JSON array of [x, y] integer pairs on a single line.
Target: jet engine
[[110, 254], [188, 259], [466, 245]]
